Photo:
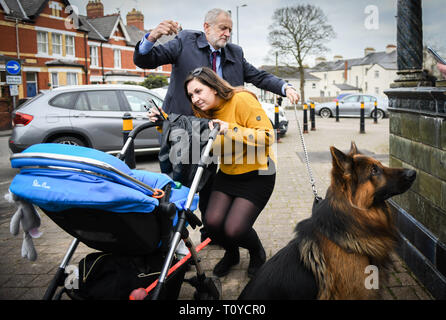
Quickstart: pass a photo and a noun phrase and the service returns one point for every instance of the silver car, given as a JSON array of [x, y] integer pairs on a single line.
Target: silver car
[[88, 115], [350, 106]]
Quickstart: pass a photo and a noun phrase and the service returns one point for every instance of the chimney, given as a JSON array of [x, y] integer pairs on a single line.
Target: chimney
[[319, 60], [95, 9], [390, 48], [368, 50], [135, 18], [345, 70], [337, 57]]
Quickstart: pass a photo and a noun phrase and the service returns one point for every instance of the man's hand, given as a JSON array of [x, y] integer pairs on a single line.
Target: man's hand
[[292, 95], [165, 28]]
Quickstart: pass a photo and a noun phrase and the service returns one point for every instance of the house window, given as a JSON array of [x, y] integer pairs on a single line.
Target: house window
[[54, 80], [376, 90], [376, 74], [117, 58], [69, 45], [56, 8], [71, 78], [313, 85], [56, 40], [42, 42], [94, 56]]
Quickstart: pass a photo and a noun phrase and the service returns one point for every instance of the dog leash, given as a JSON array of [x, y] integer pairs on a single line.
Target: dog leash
[[307, 161]]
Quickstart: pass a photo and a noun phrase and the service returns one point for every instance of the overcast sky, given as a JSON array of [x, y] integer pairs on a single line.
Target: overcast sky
[[352, 21]]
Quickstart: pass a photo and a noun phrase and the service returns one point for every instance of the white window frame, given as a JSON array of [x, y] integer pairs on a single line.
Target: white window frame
[[69, 46], [42, 42], [54, 36], [376, 74], [94, 60], [117, 58], [71, 76], [54, 80]]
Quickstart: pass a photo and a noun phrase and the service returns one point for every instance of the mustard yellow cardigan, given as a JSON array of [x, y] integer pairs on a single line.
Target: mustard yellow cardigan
[[247, 144]]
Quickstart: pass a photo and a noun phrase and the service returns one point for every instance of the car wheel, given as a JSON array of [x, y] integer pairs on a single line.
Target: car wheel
[[380, 114], [69, 140], [325, 113]]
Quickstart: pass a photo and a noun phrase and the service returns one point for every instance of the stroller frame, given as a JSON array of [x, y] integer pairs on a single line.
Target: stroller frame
[[207, 288]]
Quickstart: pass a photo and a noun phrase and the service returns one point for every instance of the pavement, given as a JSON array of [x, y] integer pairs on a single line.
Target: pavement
[[290, 203]]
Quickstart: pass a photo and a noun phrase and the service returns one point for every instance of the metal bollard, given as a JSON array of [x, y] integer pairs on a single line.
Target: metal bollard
[[127, 126], [362, 120], [375, 115], [276, 122], [312, 116], [337, 111], [305, 118]]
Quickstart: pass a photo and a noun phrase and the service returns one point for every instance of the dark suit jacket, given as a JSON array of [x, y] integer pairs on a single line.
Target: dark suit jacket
[[189, 50]]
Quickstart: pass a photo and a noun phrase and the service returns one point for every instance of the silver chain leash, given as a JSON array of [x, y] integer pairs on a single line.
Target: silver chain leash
[[307, 162]]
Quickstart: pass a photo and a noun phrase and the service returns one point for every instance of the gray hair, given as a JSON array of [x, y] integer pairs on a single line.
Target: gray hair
[[211, 16]]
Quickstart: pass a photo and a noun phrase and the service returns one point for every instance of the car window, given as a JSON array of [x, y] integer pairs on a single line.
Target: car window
[[368, 99], [351, 99], [106, 100], [63, 100], [81, 103], [137, 100]]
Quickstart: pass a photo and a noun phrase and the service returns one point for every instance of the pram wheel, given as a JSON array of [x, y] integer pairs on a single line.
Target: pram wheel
[[207, 288]]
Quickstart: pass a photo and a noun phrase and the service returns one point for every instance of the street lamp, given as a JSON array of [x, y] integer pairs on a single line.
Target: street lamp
[[243, 5]]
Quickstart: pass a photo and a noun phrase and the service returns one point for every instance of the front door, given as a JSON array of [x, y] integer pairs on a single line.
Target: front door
[[31, 84]]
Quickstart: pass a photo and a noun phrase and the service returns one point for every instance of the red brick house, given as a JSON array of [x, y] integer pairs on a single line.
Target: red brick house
[[58, 47]]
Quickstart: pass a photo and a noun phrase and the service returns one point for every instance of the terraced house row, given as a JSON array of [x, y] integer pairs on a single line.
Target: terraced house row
[[56, 46]]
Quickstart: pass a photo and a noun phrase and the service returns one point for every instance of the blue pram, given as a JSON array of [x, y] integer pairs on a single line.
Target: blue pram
[[101, 202]]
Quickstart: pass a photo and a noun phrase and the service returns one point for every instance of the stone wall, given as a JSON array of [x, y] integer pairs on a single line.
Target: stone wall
[[418, 141]]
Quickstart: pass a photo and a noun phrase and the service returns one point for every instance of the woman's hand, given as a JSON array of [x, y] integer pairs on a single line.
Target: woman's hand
[[153, 115], [224, 126]]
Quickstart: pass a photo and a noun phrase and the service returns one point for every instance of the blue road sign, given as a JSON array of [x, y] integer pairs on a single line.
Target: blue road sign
[[13, 67]]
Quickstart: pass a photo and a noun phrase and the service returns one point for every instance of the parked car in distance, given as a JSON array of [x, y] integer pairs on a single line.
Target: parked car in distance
[[350, 106], [270, 112], [84, 115], [340, 96]]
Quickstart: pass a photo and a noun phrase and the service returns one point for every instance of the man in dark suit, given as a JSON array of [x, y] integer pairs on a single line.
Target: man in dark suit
[[192, 49]]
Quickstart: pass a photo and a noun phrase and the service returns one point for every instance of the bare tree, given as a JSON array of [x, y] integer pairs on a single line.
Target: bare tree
[[297, 32]]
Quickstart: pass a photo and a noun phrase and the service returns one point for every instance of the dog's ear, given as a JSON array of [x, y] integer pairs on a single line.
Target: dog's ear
[[341, 161], [353, 149]]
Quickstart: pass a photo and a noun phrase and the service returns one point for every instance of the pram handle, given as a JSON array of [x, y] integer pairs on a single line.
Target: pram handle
[[214, 131], [132, 135], [144, 126]]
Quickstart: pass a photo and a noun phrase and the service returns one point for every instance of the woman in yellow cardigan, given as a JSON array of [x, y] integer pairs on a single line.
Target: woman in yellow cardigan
[[246, 178]]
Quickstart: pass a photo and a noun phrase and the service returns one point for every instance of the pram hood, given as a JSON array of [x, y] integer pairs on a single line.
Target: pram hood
[[58, 177]]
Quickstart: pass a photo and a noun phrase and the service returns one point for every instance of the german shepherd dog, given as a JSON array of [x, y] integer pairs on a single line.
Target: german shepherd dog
[[349, 230]]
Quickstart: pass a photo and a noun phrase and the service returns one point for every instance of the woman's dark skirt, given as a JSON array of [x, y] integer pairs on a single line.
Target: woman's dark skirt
[[255, 186]]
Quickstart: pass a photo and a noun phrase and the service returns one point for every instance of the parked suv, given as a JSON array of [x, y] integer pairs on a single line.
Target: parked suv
[[86, 115]]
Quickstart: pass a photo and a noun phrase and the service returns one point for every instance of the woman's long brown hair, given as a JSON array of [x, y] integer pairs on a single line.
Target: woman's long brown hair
[[208, 77]]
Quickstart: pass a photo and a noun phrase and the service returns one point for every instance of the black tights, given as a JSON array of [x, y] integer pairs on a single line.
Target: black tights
[[230, 219]]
